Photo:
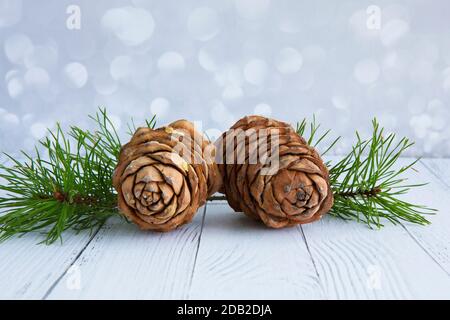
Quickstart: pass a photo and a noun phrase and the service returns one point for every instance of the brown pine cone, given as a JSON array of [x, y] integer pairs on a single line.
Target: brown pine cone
[[297, 191], [165, 175]]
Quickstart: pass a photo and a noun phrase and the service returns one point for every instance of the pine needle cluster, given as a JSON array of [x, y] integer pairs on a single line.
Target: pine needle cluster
[[368, 182], [65, 185]]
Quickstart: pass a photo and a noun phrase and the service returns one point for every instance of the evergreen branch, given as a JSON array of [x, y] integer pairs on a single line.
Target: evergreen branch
[[366, 183], [67, 186]]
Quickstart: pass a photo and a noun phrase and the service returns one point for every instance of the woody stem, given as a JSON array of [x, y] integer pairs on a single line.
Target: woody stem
[[363, 193]]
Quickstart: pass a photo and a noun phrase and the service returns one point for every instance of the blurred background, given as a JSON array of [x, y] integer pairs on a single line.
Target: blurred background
[[216, 61]]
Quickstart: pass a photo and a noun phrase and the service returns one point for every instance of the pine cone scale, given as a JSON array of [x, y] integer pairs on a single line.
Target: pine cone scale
[[163, 176], [298, 191]]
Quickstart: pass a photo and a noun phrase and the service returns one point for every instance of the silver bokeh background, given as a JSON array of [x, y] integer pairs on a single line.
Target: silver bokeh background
[[216, 61]]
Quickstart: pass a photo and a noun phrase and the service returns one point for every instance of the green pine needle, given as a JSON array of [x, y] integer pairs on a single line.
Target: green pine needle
[[366, 183], [65, 186], [149, 123], [313, 139]]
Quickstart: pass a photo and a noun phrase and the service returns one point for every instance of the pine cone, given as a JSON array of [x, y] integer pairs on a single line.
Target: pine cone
[[296, 192], [165, 175]]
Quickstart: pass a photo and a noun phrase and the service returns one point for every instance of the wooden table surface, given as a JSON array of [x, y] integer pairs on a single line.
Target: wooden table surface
[[223, 255]]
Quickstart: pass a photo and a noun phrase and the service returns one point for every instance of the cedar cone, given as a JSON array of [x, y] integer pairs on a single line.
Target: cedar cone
[[296, 192], [165, 175]]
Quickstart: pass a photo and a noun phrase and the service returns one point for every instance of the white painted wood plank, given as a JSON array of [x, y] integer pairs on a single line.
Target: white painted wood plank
[[355, 262], [239, 258], [123, 262], [28, 270], [435, 238]]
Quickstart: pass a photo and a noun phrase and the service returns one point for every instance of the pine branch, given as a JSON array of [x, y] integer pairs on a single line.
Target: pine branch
[[367, 183], [67, 186]]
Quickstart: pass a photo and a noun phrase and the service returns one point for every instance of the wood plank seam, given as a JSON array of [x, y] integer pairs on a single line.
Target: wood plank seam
[[53, 286], [424, 249], [435, 174], [239, 257], [197, 250], [444, 183], [300, 229], [319, 280]]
